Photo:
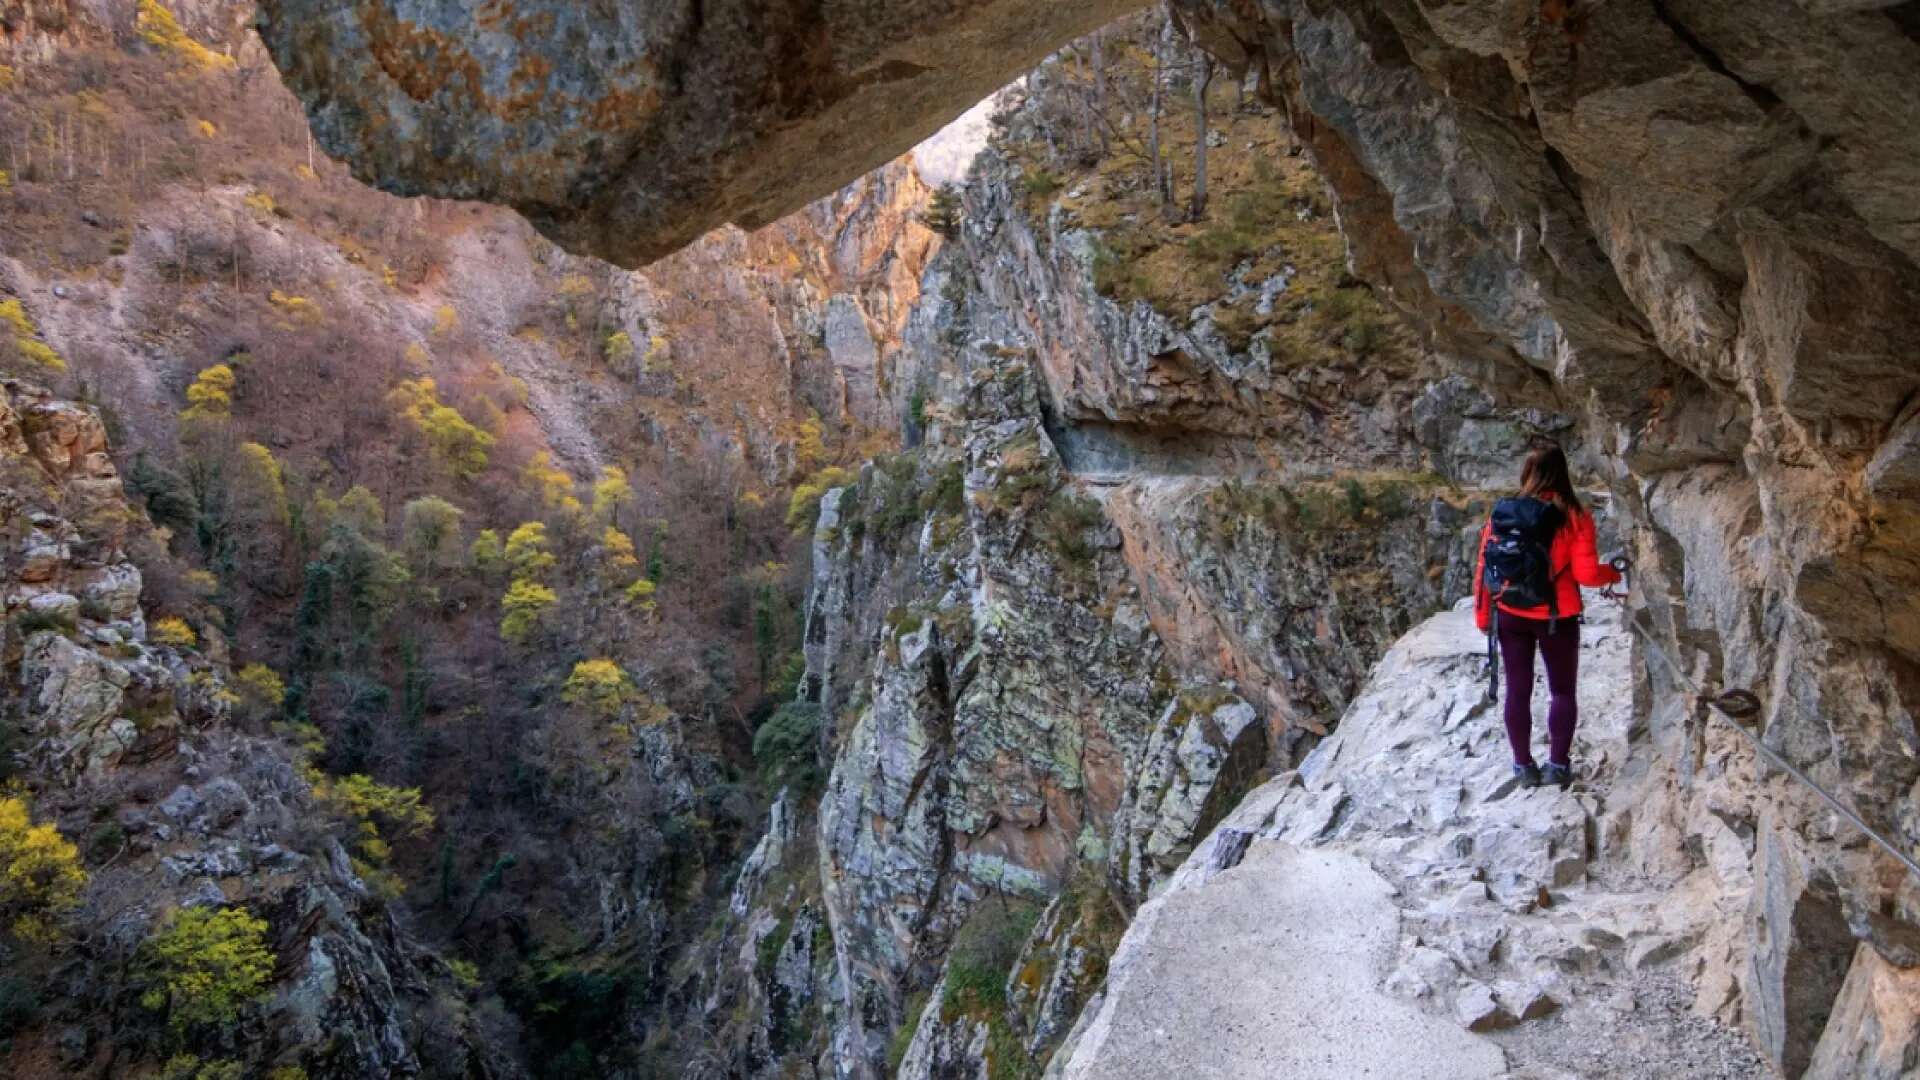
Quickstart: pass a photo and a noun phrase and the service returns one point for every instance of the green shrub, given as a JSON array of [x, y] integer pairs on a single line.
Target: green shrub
[[169, 498], [1065, 527], [1041, 183], [786, 747], [785, 680], [904, 620], [897, 508], [903, 1038], [188, 1067], [1221, 246], [569, 1008], [1356, 498], [32, 621], [944, 211], [1340, 305], [983, 955], [771, 946], [1363, 334], [946, 492], [803, 508], [1115, 273]]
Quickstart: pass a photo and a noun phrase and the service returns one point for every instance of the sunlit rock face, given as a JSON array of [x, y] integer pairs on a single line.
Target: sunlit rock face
[[628, 129]]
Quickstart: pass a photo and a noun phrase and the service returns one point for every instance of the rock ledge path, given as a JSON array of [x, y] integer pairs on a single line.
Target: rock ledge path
[[1397, 908]]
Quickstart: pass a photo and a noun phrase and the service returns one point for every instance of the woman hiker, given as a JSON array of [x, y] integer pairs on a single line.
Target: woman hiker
[[1536, 551]]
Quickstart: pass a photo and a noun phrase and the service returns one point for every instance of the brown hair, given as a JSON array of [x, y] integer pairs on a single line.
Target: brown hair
[[1545, 476]]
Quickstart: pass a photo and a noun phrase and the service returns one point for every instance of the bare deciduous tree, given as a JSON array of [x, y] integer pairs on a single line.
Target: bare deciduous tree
[[1202, 80]]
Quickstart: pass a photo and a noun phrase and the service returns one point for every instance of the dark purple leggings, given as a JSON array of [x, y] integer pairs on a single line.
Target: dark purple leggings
[[1519, 637]]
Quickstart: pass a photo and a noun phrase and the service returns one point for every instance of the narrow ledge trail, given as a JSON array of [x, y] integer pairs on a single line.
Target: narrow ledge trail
[[1398, 908]]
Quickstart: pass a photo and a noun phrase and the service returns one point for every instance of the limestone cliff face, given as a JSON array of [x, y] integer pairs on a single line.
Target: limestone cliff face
[[1139, 389], [1022, 730], [1682, 222]]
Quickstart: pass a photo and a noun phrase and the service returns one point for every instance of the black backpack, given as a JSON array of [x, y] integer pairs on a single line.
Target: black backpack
[[1517, 567], [1518, 558]]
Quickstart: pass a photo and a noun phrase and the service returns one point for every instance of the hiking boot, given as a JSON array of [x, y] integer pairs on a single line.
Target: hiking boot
[[1528, 775], [1560, 776]]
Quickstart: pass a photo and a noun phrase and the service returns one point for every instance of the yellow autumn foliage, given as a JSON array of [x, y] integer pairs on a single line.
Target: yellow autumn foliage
[[600, 686], [552, 483], [803, 507], [261, 689], [173, 631], [25, 339], [205, 965], [210, 395], [456, 442], [297, 306], [526, 550], [40, 873], [611, 492], [486, 553], [620, 557], [640, 594], [522, 609], [158, 27]]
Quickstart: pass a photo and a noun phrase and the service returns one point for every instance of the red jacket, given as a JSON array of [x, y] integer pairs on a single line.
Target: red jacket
[[1575, 563]]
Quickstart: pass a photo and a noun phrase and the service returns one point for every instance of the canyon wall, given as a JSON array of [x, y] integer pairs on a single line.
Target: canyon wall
[[1132, 564], [1662, 221], [1178, 486], [1691, 224]]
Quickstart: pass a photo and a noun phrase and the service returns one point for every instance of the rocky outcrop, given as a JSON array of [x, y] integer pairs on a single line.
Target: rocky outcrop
[[1052, 646], [1262, 582], [631, 129], [129, 744], [1173, 384], [1004, 711]]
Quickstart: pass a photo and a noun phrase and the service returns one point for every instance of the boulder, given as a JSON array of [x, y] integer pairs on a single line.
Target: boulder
[[113, 591], [75, 697]]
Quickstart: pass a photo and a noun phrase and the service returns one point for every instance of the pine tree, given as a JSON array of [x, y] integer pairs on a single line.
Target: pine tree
[[945, 212]]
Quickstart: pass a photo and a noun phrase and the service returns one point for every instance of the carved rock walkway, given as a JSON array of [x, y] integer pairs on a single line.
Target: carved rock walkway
[[1397, 908]]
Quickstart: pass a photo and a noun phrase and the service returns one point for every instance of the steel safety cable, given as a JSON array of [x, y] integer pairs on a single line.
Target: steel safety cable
[[1733, 706]]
